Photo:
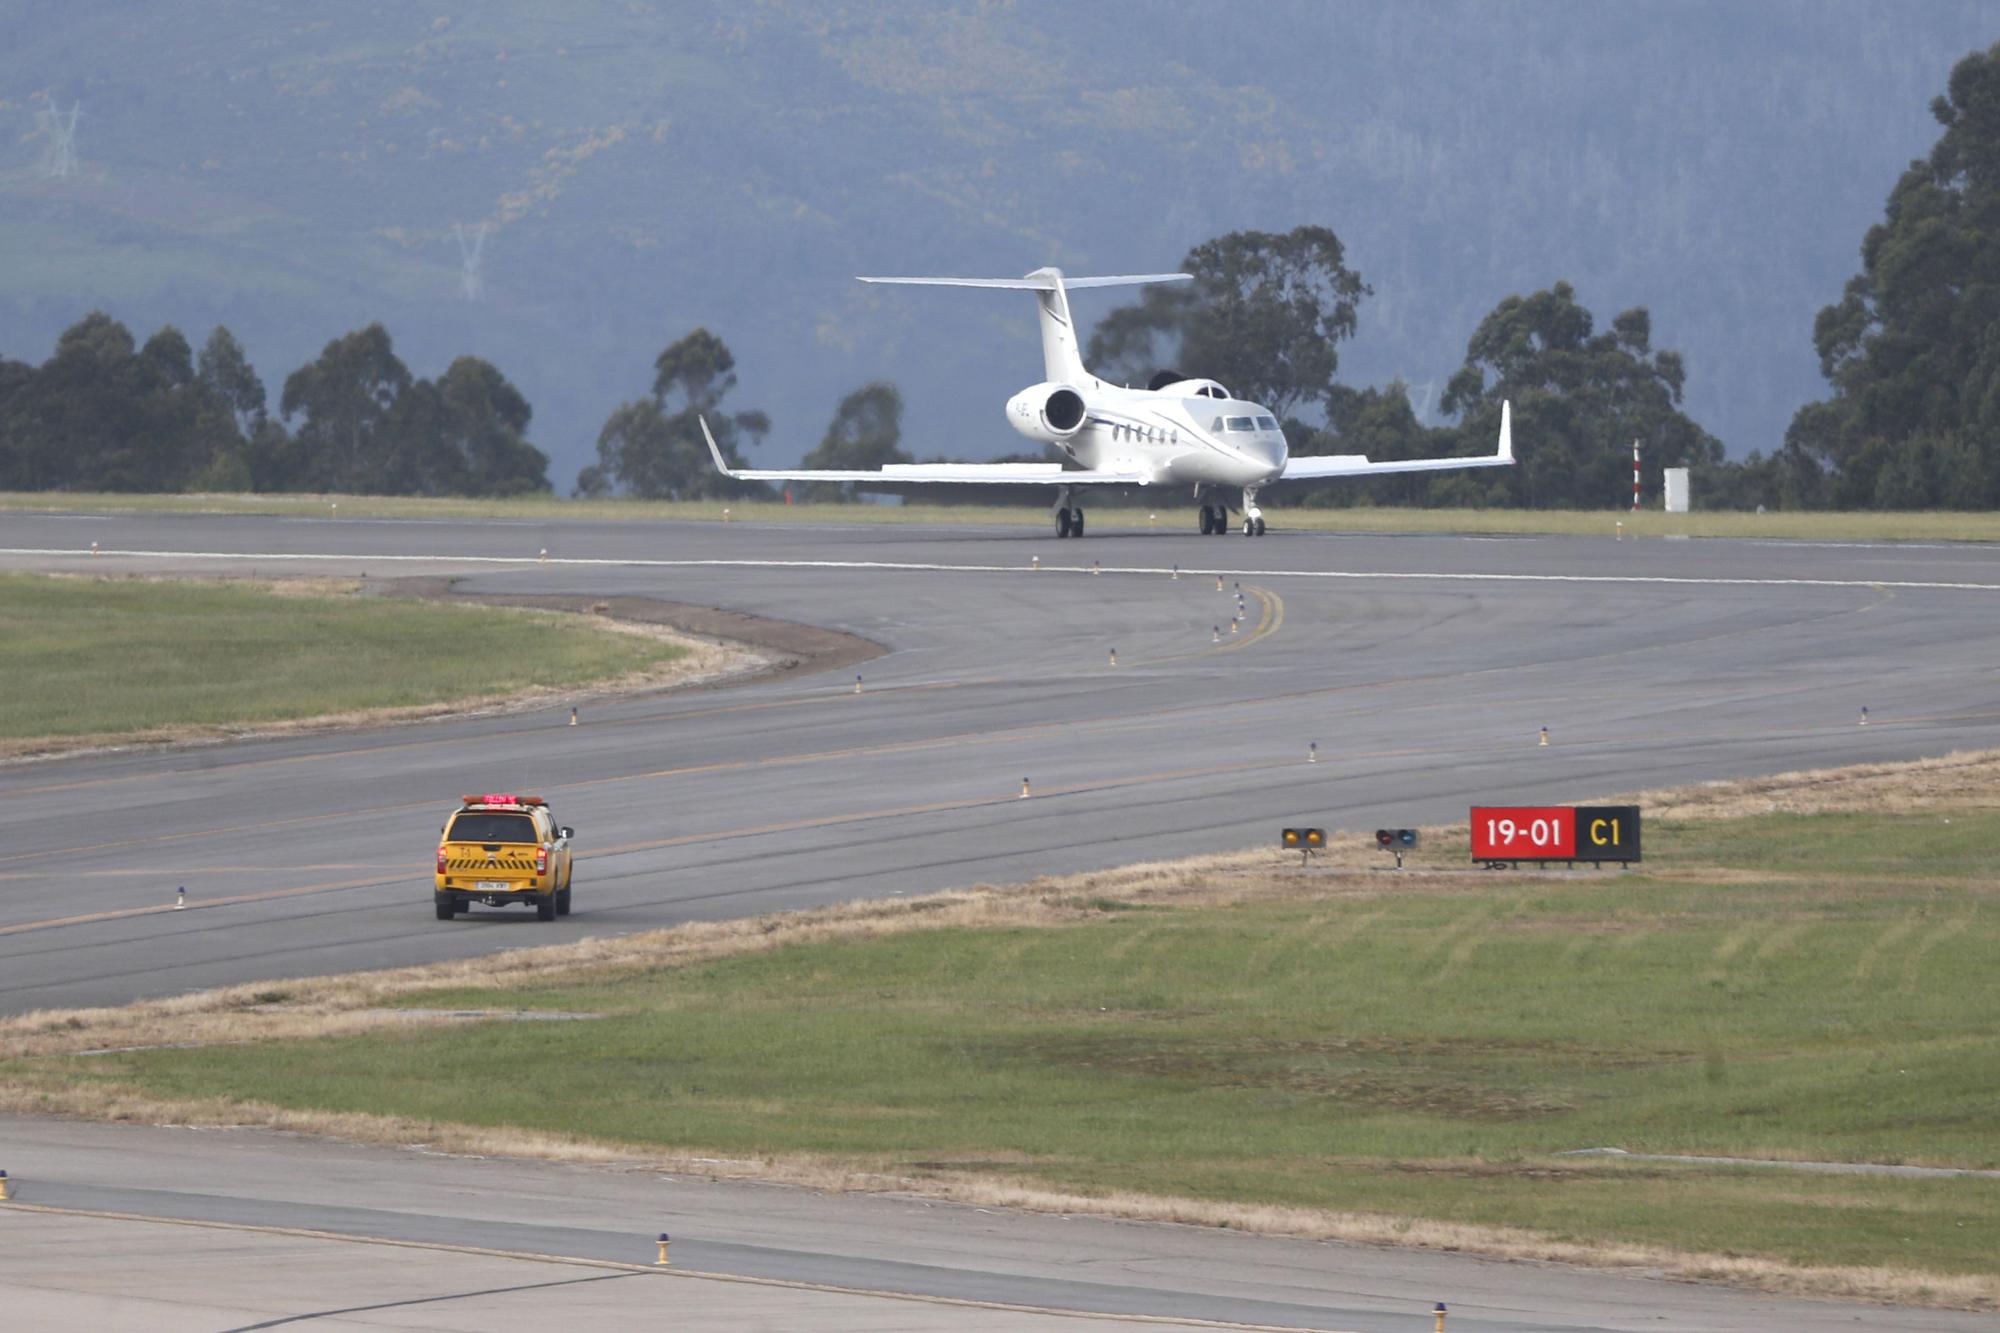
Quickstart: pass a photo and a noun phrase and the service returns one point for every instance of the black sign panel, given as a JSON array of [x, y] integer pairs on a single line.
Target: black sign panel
[[1607, 833]]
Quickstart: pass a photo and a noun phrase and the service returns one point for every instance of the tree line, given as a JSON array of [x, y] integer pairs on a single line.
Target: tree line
[[106, 413], [1911, 353], [1911, 350]]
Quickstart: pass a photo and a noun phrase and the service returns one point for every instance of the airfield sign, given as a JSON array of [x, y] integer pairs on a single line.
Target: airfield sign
[[1555, 833]]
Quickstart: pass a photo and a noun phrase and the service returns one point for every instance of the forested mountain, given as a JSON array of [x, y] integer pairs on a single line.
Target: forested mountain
[[563, 191]]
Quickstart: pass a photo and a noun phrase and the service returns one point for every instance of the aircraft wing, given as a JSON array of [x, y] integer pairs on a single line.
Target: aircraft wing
[[1316, 467], [987, 474]]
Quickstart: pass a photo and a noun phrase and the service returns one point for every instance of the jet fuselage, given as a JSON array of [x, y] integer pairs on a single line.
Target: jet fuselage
[[1190, 432]]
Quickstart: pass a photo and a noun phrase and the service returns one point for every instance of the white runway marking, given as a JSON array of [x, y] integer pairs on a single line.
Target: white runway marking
[[928, 567]]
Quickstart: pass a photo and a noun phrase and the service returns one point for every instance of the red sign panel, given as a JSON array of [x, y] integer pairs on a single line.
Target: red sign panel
[[1524, 833]]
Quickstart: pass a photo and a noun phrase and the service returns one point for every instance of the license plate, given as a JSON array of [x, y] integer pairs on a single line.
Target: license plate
[[493, 884]]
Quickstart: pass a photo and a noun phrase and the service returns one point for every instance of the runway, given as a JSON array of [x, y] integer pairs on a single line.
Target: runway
[[1420, 667]]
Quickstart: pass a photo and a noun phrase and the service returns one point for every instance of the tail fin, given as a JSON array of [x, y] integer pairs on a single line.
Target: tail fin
[[1062, 360]]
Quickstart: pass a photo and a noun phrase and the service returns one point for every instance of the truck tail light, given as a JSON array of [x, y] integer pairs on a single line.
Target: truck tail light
[[541, 860], [442, 867]]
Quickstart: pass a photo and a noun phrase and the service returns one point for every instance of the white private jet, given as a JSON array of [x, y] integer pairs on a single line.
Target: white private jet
[[1174, 432]]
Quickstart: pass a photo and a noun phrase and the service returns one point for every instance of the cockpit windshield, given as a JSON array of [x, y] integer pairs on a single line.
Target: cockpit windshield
[[1267, 423], [1241, 423]]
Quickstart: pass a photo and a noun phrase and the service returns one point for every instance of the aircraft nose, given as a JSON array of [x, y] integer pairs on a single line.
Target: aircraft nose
[[1268, 450]]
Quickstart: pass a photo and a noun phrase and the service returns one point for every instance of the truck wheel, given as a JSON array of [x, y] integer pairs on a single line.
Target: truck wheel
[[545, 908], [445, 909], [562, 902]]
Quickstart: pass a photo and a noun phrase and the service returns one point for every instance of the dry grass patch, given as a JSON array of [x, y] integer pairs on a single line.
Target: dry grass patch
[[359, 1001], [1963, 780]]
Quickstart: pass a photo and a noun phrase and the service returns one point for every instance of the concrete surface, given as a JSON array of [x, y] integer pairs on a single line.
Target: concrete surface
[[68, 1271], [886, 1243]]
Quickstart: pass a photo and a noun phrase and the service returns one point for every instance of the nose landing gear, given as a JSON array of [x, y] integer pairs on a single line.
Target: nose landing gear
[[1215, 517], [1253, 517]]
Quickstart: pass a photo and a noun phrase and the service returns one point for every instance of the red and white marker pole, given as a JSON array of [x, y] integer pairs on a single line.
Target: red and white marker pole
[[1635, 476]]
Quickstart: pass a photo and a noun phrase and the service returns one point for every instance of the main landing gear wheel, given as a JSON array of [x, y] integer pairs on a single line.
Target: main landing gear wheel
[[1069, 522], [1214, 520]]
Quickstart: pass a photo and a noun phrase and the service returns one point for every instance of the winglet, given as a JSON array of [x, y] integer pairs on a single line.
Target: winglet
[[715, 450], [1505, 451]]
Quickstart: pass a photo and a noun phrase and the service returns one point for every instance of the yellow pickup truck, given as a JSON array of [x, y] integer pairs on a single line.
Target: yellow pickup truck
[[499, 849]]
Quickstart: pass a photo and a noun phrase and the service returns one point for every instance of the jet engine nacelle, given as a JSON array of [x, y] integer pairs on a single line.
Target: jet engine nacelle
[[1047, 413]]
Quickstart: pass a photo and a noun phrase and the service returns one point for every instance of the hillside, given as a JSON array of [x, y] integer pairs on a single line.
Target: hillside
[[639, 169]]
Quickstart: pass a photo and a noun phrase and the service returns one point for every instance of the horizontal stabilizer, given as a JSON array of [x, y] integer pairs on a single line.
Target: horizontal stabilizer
[[1062, 361], [1045, 281]]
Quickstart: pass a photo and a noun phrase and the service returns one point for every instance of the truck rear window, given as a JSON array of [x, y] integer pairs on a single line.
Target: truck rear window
[[479, 827]]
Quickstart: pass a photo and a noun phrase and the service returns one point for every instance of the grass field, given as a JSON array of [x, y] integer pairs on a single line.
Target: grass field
[[1175, 514], [1346, 1053], [137, 658]]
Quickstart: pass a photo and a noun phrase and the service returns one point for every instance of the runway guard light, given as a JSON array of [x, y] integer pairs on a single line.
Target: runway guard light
[[1396, 840], [1305, 841]]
